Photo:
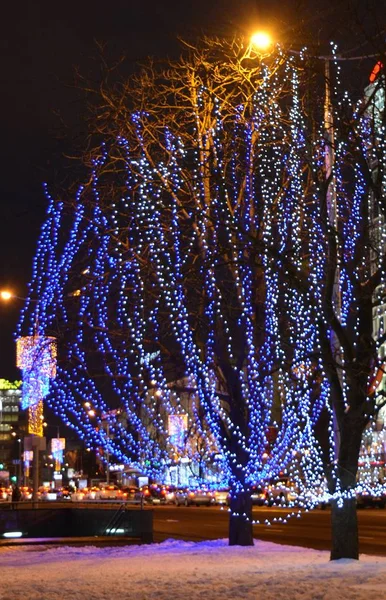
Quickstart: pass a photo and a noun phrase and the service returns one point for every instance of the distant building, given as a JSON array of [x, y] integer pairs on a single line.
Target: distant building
[[375, 97], [193, 455], [11, 424], [373, 449]]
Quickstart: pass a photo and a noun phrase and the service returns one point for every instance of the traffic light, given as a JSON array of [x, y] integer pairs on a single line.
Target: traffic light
[[14, 479], [1, 466]]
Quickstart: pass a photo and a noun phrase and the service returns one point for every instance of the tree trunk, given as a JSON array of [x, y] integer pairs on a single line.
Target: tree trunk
[[344, 530], [240, 520], [344, 523]]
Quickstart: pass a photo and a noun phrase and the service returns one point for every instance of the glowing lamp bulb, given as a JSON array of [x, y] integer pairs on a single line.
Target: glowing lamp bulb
[[5, 295], [261, 40]]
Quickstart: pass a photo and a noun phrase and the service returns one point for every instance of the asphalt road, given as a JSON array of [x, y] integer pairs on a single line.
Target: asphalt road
[[311, 530]]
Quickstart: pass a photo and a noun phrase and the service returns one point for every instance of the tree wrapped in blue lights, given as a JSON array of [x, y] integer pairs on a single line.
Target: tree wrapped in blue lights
[[203, 240]]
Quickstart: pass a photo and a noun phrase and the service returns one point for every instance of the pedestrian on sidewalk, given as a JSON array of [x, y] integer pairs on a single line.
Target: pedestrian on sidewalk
[[16, 496]]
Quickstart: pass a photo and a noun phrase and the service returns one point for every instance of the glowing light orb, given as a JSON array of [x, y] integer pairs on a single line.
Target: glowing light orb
[[5, 295], [261, 40]]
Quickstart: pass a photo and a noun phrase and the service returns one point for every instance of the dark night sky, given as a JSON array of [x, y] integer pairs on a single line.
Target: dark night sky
[[41, 44]]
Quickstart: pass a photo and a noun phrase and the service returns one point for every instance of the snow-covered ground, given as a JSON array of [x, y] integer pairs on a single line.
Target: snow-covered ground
[[175, 570]]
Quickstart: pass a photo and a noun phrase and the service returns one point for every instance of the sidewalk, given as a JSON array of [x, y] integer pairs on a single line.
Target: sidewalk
[[176, 570]]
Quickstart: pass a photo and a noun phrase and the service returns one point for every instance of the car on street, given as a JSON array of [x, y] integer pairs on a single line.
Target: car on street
[[26, 492], [180, 495], [80, 495], [258, 495], [5, 494], [281, 492], [65, 493], [222, 497], [91, 493], [110, 492], [200, 497], [170, 494], [48, 494], [131, 494], [154, 493]]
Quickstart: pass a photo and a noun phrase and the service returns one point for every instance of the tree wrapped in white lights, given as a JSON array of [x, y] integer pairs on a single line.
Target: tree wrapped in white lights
[[204, 241]]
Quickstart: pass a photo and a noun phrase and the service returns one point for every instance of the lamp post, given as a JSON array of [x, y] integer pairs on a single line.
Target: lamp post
[[20, 475], [104, 419], [20, 478], [57, 447], [36, 357], [107, 454]]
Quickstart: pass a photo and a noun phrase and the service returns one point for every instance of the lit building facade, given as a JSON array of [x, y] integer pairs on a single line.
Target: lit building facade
[[10, 395], [375, 96], [193, 456], [373, 450]]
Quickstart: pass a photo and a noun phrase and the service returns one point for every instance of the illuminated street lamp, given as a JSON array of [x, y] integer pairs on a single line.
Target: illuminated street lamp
[[6, 295], [36, 357], [261, 40]]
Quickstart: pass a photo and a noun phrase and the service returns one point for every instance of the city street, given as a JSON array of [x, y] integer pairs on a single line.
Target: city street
[[312, 530]]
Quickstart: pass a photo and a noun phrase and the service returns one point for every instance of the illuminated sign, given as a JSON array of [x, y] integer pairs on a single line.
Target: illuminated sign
[[178, 424], [57, 447], [36, 357]]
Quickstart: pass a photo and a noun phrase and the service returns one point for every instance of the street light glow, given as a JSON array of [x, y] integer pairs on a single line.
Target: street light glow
[[6, 295], [261, 40]]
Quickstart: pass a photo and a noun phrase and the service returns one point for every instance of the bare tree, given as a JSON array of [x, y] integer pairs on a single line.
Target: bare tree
[[204, 238]]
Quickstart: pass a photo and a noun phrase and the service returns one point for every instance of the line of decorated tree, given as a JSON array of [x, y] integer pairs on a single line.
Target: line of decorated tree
[[211, 236]]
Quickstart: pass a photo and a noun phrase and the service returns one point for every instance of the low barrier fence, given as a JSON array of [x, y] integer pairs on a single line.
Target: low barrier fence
[[76, 521]]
